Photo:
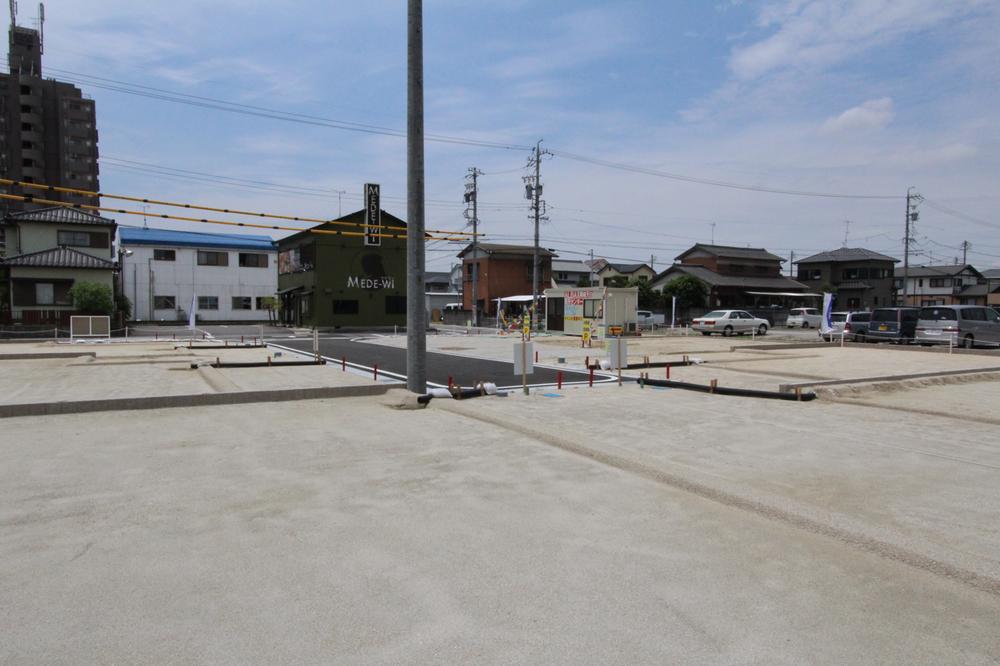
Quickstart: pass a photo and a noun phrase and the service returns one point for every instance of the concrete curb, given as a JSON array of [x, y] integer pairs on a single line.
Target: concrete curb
[[190, 400], [787, 388], [28, 357]]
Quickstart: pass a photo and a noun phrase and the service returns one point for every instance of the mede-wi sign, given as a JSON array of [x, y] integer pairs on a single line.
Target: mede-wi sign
[[373, 215]]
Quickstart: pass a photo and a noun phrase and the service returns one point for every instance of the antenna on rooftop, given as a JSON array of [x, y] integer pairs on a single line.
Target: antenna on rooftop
[[145, 208]]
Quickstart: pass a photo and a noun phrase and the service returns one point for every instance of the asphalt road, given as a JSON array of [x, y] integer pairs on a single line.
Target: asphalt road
[[463, 370]]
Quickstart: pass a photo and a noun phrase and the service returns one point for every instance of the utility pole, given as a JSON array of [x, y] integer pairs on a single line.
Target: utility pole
[[533, 191], [340, 207], [965, 252], [713, 233], [652, 261], [912, 199], [416, 327], [791, 263], [591, 265], [472, 195], [847, 231]]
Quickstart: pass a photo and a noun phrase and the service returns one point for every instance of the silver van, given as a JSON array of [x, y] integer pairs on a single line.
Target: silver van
[[965, 325]]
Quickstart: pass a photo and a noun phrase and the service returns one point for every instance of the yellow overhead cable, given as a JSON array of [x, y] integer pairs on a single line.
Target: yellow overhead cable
[[52, 202], [91, 193]]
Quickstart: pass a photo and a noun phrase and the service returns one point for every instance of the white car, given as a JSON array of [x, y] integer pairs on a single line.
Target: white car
[[804, 318], [730, 322]]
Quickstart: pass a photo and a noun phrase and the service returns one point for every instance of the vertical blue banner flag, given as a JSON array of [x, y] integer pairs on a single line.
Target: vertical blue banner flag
[[827, 324]]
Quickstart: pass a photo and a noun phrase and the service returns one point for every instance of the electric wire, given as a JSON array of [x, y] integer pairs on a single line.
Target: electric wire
[[229, 211], [33, 199]]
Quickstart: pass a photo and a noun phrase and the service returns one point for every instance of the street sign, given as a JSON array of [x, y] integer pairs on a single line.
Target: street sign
[[373, 215]]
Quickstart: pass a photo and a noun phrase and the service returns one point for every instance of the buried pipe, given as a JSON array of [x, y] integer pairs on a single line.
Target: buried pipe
[[458, 393], [714, 388]]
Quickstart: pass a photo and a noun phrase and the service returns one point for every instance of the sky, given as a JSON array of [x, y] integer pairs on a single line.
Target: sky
[[865, 98]]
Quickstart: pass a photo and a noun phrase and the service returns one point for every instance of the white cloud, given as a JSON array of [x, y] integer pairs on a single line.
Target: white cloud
[[816, 34], [873, 114]]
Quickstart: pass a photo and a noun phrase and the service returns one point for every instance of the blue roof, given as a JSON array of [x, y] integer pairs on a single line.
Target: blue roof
[[169, 237]]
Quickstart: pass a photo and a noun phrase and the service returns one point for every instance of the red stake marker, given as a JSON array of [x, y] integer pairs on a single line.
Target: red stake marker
[[375, 369], [559, 380], [591, 376]]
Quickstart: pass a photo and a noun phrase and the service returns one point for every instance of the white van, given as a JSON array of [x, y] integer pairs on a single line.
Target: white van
[[804, 318]]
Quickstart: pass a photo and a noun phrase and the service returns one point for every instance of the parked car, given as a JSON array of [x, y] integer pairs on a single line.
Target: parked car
[[647, 319], [893, 324], [966, 325], [852, 325], [804, 318], [729, 322]]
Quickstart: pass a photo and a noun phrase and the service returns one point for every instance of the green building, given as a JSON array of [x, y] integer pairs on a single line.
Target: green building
[[335, 275]]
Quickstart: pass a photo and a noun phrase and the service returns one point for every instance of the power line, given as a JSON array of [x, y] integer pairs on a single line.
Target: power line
[[229, 211], [959, 214], [121, 211], [163, 94], [716, 183]]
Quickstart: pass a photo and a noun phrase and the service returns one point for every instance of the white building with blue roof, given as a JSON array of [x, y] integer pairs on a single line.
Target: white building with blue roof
[[232, 276]]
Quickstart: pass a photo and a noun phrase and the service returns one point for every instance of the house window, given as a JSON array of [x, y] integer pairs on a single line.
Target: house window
[[83, 239], [345, 307], [48, 292], [592, 308], [942, 282], [395, 305], [213, 258], [164, 302], [242, 303], [164, 255], [208, 302], [45, 293], [248, 260], [920, 282]]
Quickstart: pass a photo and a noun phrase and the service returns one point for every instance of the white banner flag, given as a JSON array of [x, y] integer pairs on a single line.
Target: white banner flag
[[194, 307], [827, 324]]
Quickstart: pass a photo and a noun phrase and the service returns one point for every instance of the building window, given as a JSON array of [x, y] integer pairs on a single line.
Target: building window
[[25, 90], [164, 255], [248, 260], [45, 293], [345, 307], [592, 308], [242, 303], [83, 239], [942, 282], [395, 305], [208, 302], [213, 258], [164, 303]]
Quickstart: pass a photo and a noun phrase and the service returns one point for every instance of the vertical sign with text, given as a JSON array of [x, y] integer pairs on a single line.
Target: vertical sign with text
[[373, 215]]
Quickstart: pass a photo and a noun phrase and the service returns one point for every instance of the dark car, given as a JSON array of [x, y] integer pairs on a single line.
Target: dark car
[[893, 324]]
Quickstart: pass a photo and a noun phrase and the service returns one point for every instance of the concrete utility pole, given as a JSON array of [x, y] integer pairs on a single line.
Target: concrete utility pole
[[965, 252], [791, 263], [535, 261], [472, 195], [912, 198], [416, 326]]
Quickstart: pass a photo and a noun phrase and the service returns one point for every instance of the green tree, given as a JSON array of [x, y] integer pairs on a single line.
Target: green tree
[[649, 298], [123, 307], [689, 290], [92, 298]]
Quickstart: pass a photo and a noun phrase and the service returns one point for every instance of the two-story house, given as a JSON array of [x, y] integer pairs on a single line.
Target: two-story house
[[503, 270], [732, 274], [860, 279], [958, 284], [618, 275], [229, 277], [47, 251], [570, 273], [992, 276]]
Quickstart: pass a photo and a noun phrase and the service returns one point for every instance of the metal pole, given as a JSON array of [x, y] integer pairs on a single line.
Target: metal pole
[[416, 340], [475, 237], [535, 262], [906, 251]]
